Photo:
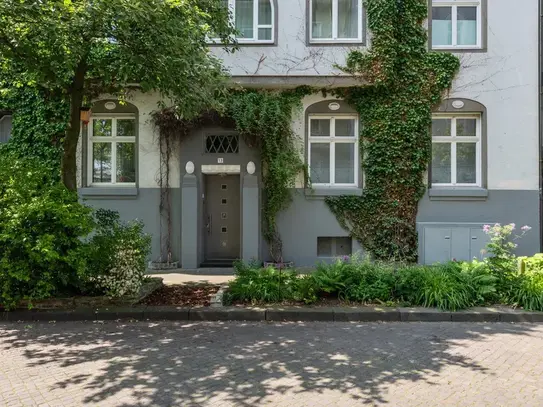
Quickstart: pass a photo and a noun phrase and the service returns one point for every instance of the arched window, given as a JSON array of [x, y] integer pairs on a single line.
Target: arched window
[[332, 144], [254, 19], [458, 144], [112, 144]]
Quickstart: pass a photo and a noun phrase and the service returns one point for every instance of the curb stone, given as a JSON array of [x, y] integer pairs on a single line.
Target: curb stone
[[292, 314]]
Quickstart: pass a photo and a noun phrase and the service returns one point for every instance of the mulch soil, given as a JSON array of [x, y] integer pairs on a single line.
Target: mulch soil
[[193, 295]]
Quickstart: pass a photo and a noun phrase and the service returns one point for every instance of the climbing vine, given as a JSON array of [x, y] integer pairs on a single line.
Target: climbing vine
[[402, 83], [263, 119], [39, 122]]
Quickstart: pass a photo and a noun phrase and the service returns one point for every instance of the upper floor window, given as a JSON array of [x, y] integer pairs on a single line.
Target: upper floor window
[[5, 128], [254, 19], [456, 24], [456, 150], [112, 150], [335, 21], [333, 150]]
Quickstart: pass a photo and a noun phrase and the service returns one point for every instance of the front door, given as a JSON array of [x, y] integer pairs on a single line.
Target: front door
[[222, 217]]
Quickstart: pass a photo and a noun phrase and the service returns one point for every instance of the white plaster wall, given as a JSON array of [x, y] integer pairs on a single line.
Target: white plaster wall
[[291, 56], [505, 80]]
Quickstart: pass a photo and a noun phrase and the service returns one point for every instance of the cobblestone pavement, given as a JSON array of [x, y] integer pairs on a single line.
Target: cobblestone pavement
[[265, 364]]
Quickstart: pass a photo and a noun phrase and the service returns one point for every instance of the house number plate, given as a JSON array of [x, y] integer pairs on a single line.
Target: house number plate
[[220, 160]]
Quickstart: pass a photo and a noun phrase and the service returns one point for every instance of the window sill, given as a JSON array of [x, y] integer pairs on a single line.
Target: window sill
[[458, 49], [99, 192], [458, 194], [336, 43], [323, 192]]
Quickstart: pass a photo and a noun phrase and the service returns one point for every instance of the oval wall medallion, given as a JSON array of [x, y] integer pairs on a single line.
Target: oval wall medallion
[[110, 105], [189, 167], [458, 104], [251, 168], [334, 106]]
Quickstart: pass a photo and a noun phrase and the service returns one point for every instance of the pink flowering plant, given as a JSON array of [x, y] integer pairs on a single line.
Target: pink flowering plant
[[502, 245]]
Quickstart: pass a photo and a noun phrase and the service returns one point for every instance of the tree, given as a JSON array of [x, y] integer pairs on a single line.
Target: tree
[[83, 48]]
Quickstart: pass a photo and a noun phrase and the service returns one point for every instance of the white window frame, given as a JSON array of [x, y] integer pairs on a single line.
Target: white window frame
[[454, 4], [453, 139], [113, 141], [256, 26], [335, 37], [332, 141], [4, 117]]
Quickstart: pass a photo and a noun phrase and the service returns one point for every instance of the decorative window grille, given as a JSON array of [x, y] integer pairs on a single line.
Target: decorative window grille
[[222, 144]]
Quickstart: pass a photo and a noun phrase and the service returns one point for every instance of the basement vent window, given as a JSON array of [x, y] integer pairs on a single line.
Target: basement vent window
[[222, 144], [334, 246]]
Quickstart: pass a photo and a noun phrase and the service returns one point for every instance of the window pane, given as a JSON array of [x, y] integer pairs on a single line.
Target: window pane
[[101, 162], [441, 163], [441, 127], [102, 127], [320, 128], [344, 163], [320, 163], [321, 25], [126, 128], [344, 246], [466, 172], [324, 246], [5, 128], [467, 25], [126, 162], [264, 12], [264, 33], [244, 18], [345, 127], [441, 25], [348, 19], [466, 127]]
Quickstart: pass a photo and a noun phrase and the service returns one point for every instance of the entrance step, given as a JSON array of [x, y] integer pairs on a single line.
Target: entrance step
[[219, 263]]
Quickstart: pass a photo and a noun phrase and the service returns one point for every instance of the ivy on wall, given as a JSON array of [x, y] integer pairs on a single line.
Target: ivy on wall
[[39, 123], [403, 82]]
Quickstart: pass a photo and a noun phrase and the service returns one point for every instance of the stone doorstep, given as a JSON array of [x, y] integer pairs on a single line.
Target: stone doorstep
[[291, 314]]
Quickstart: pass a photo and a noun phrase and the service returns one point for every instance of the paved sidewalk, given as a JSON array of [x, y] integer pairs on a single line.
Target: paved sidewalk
[[177, 278], [271, 364]]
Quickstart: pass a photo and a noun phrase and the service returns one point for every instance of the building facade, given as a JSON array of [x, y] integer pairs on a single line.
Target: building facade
[[485, 138]]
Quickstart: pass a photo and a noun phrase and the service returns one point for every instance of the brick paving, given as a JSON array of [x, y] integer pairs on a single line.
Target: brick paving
[[271, 364]]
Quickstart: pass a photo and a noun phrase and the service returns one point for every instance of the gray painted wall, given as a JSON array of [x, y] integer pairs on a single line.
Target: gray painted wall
[[145, 207], [308, 218]]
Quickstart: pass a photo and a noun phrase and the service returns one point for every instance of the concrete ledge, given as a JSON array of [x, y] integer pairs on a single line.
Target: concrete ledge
[[300, 314], [291, 314], [103, 314], [170, 313], [424, 315], [366, 314], [477, 315]]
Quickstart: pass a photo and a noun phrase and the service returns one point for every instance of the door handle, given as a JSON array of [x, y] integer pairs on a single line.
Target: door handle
[[209, 224]]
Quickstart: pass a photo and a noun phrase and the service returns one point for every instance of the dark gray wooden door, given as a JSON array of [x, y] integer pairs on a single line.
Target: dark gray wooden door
[[222, 217]]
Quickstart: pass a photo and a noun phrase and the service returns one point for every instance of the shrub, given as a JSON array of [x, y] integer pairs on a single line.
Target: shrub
[[370, 282], [451, 286], [525, 287], [116, 256], [330, 278], [41, 229], [256, 285]]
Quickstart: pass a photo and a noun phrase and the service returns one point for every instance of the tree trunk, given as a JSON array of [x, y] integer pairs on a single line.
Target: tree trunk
[[69, 159]]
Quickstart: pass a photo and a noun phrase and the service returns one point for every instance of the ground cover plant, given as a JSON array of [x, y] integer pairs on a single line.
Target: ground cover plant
[[500, 278]]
